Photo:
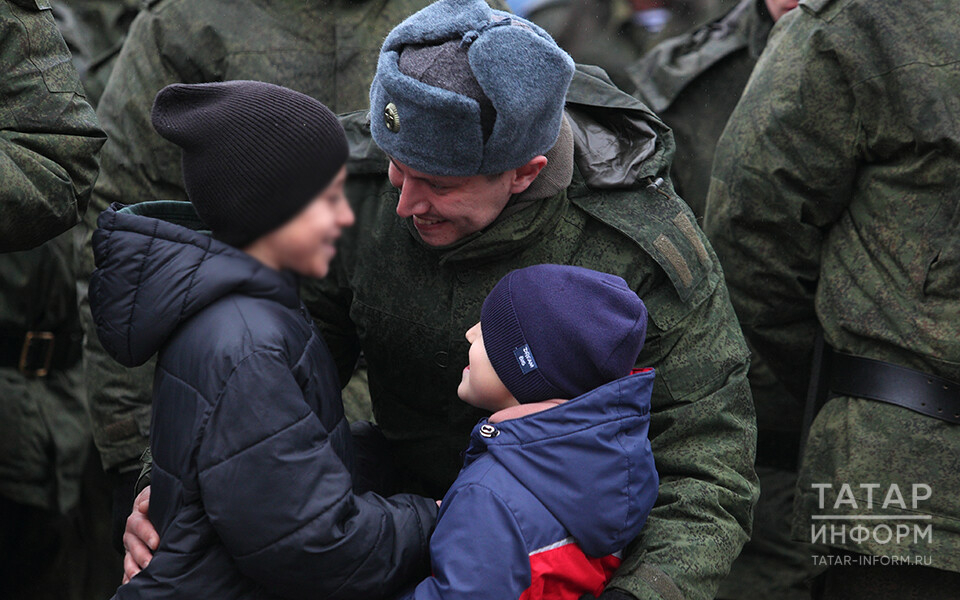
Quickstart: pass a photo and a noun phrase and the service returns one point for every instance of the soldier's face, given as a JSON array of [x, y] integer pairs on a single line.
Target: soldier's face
[[778, 8], [480, 385], [447, 209]]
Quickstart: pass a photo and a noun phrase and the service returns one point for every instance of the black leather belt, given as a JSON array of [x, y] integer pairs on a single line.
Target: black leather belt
[[886, 382], [36, 353]]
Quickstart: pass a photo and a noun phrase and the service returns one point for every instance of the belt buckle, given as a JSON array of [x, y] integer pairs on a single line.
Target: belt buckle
[[26, 365]]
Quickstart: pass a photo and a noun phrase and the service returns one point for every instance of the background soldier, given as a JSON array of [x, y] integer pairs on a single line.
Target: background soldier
[[835, 204], [49, 139], [612, 34], [693, 82], [94, 31]]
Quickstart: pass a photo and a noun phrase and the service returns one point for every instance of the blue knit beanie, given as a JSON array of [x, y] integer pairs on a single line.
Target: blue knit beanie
[[443, 127], [554, 331]]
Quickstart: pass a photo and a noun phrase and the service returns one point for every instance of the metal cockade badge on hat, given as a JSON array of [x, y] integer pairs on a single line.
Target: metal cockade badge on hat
[[391, 117]]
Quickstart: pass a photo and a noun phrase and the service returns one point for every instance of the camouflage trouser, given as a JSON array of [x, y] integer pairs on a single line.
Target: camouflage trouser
[[855, 581], [772, 565]]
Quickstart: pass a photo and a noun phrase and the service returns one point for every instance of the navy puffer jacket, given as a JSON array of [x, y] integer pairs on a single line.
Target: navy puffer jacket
[[251, 488]]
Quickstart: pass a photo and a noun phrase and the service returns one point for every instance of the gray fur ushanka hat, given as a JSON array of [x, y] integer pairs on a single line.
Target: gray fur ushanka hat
[[519, 68]]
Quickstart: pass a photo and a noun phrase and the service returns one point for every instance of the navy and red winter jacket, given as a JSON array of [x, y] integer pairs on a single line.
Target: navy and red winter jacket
[[545, 502]]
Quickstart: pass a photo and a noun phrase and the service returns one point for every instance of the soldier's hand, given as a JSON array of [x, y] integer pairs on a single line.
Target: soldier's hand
[[140, 538]]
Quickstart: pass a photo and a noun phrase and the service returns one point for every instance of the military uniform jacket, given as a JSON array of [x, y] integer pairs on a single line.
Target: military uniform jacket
[[327, 49], [44, 426], [49, 136], [835, 203], [408, 305], [693, 83]]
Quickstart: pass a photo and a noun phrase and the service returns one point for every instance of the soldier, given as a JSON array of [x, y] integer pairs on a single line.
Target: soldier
[[48, 147], [414, 270], [94, 31], [459, 212], [693, 82], [327, 50], [49, 135], [612, 34], [834, 206]]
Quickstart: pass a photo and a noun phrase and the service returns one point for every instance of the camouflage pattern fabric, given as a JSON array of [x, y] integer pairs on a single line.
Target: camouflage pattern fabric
[[45, 442], [693, 82], [834, 204], [49, 135], [94, 31], [44, 431], [407, 306], [327, 49], [605, 33]]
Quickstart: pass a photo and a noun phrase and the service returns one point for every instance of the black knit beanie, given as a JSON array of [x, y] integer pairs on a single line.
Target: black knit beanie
[[254, 154]]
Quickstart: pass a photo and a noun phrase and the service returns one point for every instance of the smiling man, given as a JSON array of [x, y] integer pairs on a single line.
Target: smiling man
[[445, 209], [499, 155]]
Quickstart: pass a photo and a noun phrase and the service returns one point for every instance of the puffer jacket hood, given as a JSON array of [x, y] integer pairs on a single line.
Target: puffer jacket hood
[[588, 461], [157, 267]]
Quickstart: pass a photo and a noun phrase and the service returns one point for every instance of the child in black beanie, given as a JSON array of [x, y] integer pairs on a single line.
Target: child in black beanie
[[252, 456]]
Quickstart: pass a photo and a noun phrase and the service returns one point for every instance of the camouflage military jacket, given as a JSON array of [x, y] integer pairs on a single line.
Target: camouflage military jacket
[[49, 136], [694, 81], [327, 49], [407, 306], [44, 427], [94, 31], [835, 203]]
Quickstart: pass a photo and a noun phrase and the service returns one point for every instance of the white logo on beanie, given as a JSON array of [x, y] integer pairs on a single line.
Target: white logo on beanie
[[525, 358]]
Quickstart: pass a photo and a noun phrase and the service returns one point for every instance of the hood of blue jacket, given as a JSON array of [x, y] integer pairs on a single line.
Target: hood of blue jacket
[[156, 268], [587, 460]]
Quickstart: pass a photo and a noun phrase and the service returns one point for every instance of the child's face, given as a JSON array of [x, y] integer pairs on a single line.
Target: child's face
[[480, 386], [306, 244]]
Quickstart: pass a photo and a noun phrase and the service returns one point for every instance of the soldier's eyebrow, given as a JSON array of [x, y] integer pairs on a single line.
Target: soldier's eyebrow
[[430, 180]]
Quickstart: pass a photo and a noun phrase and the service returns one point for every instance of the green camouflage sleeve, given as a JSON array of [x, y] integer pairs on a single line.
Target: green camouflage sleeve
[[137, 165], [703, 434], [49, 136], [783, 174]]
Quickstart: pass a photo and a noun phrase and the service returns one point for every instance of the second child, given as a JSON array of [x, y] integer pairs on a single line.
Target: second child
[[561, 477]]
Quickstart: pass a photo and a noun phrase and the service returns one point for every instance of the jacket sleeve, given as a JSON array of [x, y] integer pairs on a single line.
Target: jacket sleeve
[[49, 135], [137, 165], [477, 551], [784, 173], [282, 501], [703, 436]]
